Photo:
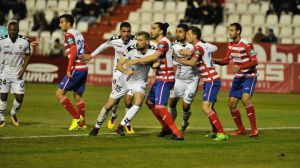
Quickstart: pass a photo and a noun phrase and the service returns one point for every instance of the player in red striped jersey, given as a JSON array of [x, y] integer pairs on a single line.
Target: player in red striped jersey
[[201, 57], [165, 79], [75, 78], [244, 58]]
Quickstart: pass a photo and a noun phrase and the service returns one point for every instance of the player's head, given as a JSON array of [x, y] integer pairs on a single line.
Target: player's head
[[159, 29], [13, 29], [142, 40], [181, 32], [193, 34], [66, 22], [125, 31], [234, 31]]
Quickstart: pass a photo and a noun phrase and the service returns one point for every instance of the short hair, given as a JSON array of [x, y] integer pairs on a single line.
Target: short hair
[[196, 31], [68, 18], [125, 24], [13, 22], [163, 27], [237, 26], [145, 34], [185, 27]]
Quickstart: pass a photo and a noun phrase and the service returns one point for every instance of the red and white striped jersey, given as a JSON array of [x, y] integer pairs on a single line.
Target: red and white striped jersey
[[242, 54], [203, 51], [75, 47], [165, 71]]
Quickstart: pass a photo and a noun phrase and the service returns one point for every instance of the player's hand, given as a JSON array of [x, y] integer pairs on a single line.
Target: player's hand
[[21, 73], [236, 68], [185, 52], [86, 58], [69, 75], [34, 43], [155, 64]]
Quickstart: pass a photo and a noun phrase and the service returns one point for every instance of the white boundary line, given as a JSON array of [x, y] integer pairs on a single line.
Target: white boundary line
[[112, 133]]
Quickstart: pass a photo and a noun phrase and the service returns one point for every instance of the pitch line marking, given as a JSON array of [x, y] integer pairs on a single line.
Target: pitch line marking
[[113, 133]]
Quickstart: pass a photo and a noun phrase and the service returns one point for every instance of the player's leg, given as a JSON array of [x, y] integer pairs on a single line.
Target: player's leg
[[138, 101], [172, 106], [17, 103], [128, 104], [4, 90], [234, 96], [210, 92], [248, 88], [162, 93], [175, 94]]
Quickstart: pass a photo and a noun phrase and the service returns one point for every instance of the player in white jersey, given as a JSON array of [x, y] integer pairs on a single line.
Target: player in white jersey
[[132, 79], [15, 54], [186, 79], [120, 44]]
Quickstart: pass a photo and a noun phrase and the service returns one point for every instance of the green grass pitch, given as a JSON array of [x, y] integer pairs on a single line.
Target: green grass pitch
[[43, 140]]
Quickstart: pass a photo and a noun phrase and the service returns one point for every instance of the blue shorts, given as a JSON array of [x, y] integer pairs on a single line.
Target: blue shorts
[[76, 83], [159, 92], [211, 90], [242, 85]]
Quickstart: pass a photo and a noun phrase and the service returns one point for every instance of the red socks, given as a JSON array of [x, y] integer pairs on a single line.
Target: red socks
[[69, 107], [251, 116], [215, 121], [152, 108], [81, 110], [236, 116]]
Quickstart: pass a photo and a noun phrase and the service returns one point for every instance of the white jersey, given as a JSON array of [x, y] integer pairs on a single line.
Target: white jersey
[[183, 71], [12, 54], [141, 70], [118, 44]]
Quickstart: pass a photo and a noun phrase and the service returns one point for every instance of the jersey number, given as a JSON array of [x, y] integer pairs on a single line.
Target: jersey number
[[2, 82], [80, 44]]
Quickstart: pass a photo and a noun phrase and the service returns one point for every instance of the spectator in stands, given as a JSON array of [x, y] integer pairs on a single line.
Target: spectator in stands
[[259, 36], [191, 14], [93, 13], [80, 10], [205, 13], [4, 7], [57, 50], [270, 38], [3, 29], [54, 25], [217, 12], [19, 10], [104, 5], [39, 21]]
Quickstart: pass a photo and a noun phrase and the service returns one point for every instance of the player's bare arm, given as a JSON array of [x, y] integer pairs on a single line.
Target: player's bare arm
[[191, 62], [120, 67], [147, 59], [185, 52]]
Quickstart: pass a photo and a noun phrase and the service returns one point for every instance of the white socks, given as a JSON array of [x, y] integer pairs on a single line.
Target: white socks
[[114, 111], [15, 108], [130, 114], [102, 117], [2, 110]]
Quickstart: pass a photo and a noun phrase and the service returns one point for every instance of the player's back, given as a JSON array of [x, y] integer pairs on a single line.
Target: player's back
[[74, 38]]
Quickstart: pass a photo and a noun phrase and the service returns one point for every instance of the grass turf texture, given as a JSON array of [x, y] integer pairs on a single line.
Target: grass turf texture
[[43, 140]]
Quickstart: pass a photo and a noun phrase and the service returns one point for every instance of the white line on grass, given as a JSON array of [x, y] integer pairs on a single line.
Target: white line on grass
[[148, 132]]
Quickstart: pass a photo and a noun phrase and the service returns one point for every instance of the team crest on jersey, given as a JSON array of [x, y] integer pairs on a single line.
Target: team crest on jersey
[[161, 46], [70, 40], [198, 52], [252, 52], [20, 46]]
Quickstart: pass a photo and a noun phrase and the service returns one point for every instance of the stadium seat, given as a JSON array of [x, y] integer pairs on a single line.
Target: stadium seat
[[180, 15], [159, 17], [241, 7], [33, 34], [297, 32], [170, 6], [220, 30], [23, 33], [264, 6], [287, 41], [208, 38], [208, 30], [30, 4], [233, 18], [82, 26], [181, 7], [272, 20], [45, 35], [52, 4], [285, 20], [72, 5], [158, 6], [146, 6], [134, 17], [246, 20], [62, 4], [40, 5], [135, 27], [286, 31], [275, 29], [297, 41], [254, 8], [247, 31], [172, 29], [57, 34], [146, 27], [49, 15], [171, 18], [259, 20], [24, 25], [146, 17], [296, 20], [229, 7]]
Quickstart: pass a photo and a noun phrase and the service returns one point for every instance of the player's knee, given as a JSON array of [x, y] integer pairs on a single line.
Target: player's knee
[[186, 107], [19, 99], [205, 108], [4, 96], [232, 105], [58, 94]]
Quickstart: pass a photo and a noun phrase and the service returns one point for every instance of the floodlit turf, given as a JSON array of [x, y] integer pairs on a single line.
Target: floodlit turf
[[43, 140]]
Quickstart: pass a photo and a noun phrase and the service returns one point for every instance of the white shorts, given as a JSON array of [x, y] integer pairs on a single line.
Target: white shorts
[[117, 90], [12, 85], [186, 89]]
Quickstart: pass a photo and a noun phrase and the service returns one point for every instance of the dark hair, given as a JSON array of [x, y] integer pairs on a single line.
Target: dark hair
[[237, 26], [68, 18], [125, 24], [183, 26], [196, 31], [57, 40], [15, 23], [145, 34], [163, 27]]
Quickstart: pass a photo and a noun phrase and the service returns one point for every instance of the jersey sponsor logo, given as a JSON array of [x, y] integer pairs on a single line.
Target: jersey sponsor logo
[[70, 40], [252, 52], [6, 46], [161, 46]]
